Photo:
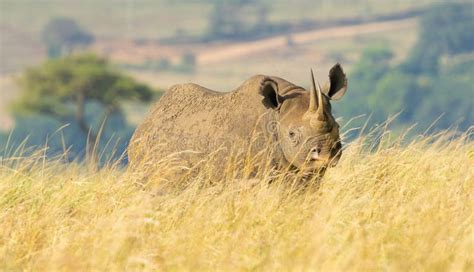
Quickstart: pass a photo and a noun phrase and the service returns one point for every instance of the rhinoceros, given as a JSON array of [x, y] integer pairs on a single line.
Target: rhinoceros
[[296, 123]]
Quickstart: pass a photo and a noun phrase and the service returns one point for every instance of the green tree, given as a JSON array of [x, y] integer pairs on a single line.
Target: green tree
[[444, 29], [61, 88], [373, 65], [396, 92], [63, 35], [449, 94], [435, 80]]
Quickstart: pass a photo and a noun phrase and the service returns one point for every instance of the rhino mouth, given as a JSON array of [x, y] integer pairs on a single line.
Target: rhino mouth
[[316, 172]]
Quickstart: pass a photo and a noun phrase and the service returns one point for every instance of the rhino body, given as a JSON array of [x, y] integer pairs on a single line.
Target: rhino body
[[189, 117], [265, 112]]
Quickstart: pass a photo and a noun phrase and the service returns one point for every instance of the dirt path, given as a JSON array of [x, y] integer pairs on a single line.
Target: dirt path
[[237, 50]]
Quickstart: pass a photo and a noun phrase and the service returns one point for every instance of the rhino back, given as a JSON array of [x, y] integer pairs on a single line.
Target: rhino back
[[191, 117]]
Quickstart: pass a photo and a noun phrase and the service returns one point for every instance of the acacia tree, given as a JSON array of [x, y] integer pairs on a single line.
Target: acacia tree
[[61, 88]]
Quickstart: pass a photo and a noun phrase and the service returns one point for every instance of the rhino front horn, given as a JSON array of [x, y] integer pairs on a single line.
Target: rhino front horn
[[316, 105]]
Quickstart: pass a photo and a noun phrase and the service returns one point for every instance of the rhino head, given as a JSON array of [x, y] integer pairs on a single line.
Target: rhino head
[[306, 131]]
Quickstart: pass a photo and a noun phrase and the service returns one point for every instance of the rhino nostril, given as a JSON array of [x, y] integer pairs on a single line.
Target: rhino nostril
[[315, 151]]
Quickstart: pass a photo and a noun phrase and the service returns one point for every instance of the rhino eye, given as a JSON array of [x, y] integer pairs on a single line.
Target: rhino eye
[[294, 136]]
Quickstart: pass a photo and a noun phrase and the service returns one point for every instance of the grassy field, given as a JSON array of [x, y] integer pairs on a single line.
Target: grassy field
[[400, 206]]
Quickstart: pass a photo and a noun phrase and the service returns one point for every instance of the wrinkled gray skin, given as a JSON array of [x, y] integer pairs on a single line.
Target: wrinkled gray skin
[[264, 112]]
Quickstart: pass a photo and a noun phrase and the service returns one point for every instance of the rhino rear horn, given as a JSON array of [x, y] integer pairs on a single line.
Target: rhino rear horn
[[337, 83], [269, 91]]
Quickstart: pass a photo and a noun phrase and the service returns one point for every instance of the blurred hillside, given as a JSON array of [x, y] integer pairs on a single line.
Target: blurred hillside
[[129, 24], [138, 35]]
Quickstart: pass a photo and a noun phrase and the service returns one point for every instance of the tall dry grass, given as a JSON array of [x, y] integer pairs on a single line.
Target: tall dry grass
[[390, 204]]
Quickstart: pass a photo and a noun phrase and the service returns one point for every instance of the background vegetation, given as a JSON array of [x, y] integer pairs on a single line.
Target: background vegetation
[[436, 80], [433, 80], [83, 94]]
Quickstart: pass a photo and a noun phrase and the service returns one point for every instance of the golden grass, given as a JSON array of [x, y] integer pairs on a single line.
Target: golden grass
[[394, 207]]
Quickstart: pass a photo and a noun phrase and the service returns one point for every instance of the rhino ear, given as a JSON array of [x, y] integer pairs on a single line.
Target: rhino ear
[[269, 91], [337, 83]]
